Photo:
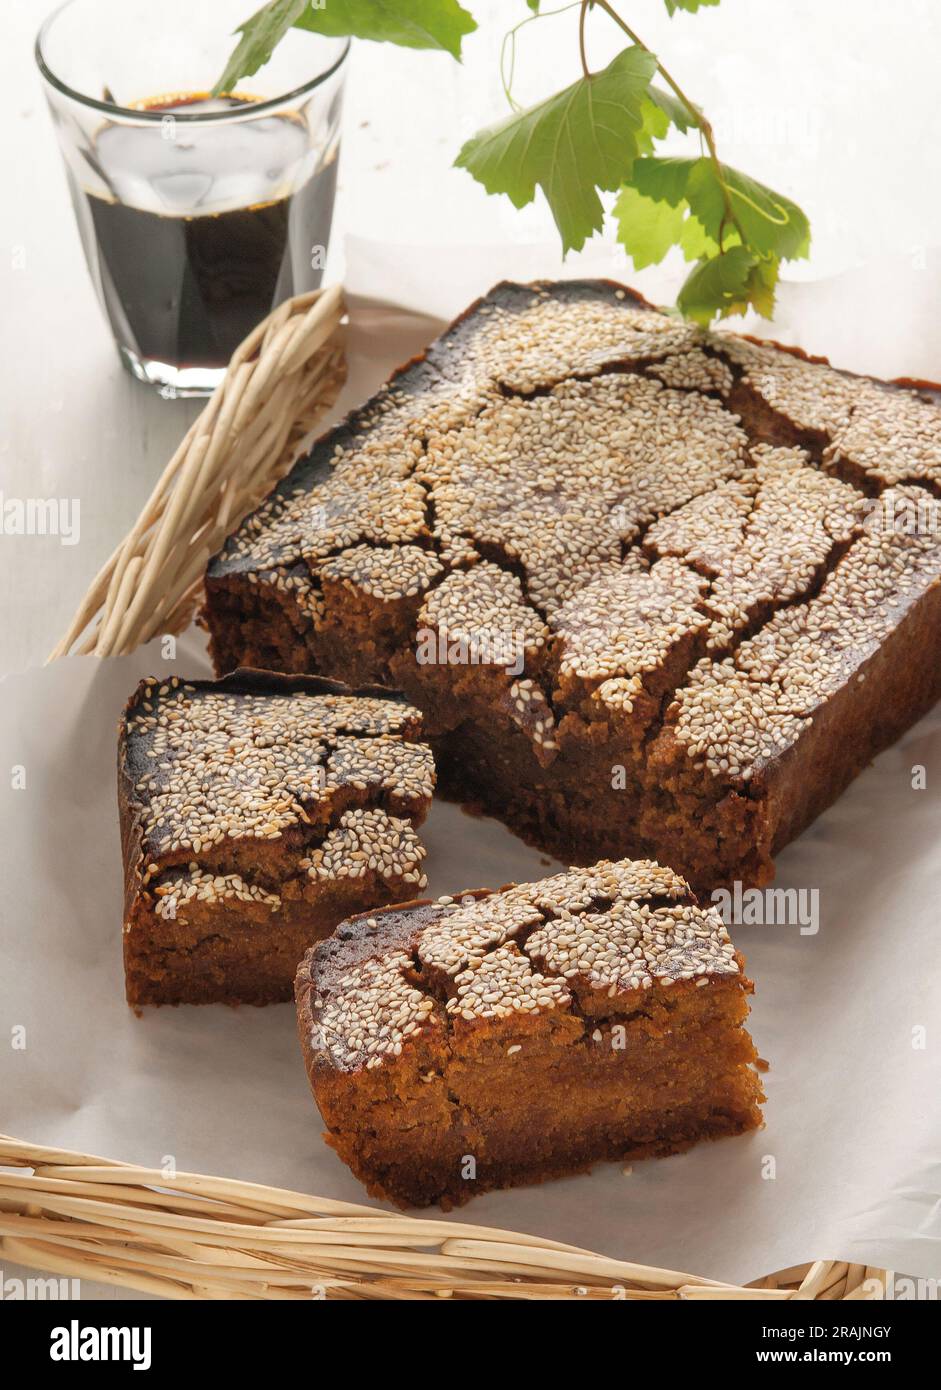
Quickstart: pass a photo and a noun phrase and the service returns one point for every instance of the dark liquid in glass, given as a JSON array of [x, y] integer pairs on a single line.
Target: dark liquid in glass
[[186, 284]]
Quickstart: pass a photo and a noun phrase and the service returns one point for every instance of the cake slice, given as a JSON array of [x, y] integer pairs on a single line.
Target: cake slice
[[500, 1038], [256, 813]]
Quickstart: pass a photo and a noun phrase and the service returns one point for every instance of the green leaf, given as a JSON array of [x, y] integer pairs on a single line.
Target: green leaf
[[675, 110], [696, 243], [646, 229], [663, 178], [654, 126], [582, 139], [728, 284], [738, 256], [660, 111], [770, 223], [440, 24], [533, 5], [691, 5], [763, 283], [437, 24], [260, 36], [721, 285]]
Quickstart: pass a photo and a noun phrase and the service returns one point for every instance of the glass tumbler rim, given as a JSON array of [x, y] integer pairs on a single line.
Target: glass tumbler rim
[[114, 109]]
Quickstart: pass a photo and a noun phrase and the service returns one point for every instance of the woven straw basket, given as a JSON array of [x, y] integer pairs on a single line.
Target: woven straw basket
[[194, 1237]]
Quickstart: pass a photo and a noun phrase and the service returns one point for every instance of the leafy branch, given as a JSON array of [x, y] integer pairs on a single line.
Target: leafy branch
[[696, 116], [596, 136], [440, 24]]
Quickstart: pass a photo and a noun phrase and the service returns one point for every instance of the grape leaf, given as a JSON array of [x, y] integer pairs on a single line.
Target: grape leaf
[[674, 109], [437, 24], [663, 178], [683, 202], [770, 223], [654, 126], [691, 5], [721, 285], [696, 243], [762, 285], [646, 229], [418, 24], [260, 35], [584, 138]]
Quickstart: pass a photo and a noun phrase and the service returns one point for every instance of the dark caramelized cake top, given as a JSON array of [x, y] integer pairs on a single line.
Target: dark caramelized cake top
[[649, 509]]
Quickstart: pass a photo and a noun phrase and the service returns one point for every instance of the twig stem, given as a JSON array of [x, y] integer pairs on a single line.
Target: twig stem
[[697, 116]]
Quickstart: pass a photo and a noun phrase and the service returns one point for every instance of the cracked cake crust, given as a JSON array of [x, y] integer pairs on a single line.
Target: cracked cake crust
[[436, 1033], [572, 533], [256, 812]]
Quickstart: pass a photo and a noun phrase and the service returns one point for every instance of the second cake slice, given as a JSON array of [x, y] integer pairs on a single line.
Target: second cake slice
[[256, 812], [458, 1046]]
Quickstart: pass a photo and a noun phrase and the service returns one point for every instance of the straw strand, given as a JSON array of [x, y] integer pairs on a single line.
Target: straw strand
[[280, 382], [192, 1236]]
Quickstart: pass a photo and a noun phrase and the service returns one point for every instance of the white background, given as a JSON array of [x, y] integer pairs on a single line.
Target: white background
[[834, 102]]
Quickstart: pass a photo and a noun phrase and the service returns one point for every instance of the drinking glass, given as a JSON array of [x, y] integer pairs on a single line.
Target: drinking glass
[[198, 215]]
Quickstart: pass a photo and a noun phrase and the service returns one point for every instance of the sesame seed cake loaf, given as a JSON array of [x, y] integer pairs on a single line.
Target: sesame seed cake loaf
[[257, 812], [657, 591], [501, 1038]]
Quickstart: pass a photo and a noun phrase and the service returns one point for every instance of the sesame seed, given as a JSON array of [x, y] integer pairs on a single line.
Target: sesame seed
[[526, 951], [561, 479], [236, 766]]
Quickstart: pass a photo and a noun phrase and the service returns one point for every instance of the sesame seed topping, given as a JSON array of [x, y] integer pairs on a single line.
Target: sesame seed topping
[[536, 949], [557, 482], [176, 889], [762, 538], [628, 625], [563, 478], [212, 767], [369, 842], [739, 713], [388, 573]]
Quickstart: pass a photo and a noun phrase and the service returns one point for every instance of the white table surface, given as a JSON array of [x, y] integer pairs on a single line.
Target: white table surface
[[834, 103]]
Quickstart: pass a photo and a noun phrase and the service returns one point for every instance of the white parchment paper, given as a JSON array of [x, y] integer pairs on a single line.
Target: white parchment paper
[[847, 1167]]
